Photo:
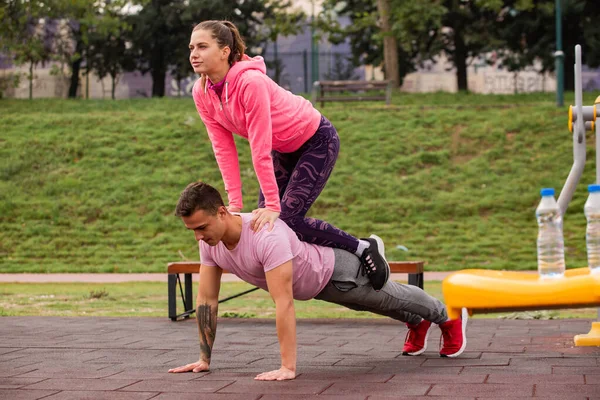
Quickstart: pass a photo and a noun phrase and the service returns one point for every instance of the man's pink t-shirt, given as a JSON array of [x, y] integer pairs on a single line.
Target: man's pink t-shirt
[[260, 252]]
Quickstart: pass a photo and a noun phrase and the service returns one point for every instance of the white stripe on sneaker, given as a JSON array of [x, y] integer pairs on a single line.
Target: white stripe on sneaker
[[380, 245], [381, 250]]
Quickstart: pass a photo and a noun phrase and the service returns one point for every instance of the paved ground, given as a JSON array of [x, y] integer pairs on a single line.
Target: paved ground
[[127, 358]]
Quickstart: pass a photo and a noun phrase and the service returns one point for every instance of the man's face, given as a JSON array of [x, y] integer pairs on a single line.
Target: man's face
[[206, 227]]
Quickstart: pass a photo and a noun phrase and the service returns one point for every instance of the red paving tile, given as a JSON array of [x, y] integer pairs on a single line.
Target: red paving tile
[[374, 389], [401, 397], [488, 389], [102, 395], [128, 358], [523, 379], [285, 387], [207, 396], [313, 397], [577, 370], [438, 378], [48, 370], [204, 386], [80, 384], [15, 383], [565, 391], [25, 394], [344, 377]]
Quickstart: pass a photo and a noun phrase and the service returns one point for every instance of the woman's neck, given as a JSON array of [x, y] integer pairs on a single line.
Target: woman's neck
[[218, 76]]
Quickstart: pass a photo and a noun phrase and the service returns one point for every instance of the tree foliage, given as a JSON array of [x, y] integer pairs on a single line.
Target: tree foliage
[[59, 31], [107, 47], [162, 28], [520, 31], [528, 34]]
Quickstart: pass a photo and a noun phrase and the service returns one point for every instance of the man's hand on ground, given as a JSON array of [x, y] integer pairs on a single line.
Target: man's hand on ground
[[194, 367], [282, 374]]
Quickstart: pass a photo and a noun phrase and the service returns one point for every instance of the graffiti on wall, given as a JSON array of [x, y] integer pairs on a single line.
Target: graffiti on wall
[[508, 83], [590, 79], [182, 88]]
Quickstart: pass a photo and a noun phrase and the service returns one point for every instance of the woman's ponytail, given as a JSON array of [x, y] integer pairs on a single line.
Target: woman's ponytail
[[238, 47], [226, 34]]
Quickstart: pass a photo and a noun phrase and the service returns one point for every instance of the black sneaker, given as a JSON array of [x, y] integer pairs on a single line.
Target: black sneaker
[[374, 263]]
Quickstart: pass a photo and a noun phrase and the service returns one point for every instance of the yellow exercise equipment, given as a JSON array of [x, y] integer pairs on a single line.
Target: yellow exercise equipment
[[485, 291]]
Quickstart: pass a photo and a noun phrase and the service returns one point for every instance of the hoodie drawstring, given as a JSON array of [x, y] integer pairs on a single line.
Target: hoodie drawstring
[[226, 93]]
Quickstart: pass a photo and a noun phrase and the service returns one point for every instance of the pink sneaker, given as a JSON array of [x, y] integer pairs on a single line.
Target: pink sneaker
[[454, 338], [416, 338]]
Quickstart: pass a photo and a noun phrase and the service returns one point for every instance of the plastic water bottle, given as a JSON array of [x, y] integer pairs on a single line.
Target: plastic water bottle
[[592, 233], [550, 242]]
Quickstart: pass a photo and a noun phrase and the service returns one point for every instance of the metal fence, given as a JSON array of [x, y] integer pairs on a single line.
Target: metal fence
[[294, 70]]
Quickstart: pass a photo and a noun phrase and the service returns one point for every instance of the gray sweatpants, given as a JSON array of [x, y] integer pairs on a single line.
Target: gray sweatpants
[[407, 303]]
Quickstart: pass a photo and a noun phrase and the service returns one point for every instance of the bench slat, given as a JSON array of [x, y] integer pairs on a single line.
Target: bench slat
[[355, 91], [193, 267], [353, 98], [352, 88], [413, 268], [360, 84]]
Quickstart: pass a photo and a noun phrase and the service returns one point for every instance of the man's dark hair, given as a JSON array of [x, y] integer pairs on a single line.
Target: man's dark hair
[[198, 196]]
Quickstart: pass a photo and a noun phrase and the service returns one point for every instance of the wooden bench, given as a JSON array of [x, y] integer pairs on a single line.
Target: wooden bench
[[414, 269], [359, 89]]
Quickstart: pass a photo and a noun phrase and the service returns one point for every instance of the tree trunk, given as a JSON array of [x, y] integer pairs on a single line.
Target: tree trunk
[[75, 67], [30, 80], [114, 85], [159, 72], [87, 76], [460, 59], [568, 70], [158, 81], [390, 47]]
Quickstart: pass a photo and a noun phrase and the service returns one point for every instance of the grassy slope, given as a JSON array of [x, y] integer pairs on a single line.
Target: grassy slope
[[91, 185]]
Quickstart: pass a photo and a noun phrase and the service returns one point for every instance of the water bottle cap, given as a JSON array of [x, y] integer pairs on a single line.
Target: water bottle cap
[[593, 188], [547, 192]]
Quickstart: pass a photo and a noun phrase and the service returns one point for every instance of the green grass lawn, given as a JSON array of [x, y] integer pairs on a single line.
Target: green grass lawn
[[149, 299], [90, 186]]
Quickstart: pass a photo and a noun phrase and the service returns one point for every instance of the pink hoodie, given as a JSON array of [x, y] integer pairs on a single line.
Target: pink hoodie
[[254, 107]]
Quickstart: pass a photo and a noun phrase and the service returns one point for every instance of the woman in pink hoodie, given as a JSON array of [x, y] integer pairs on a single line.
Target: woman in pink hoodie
[[294, 148]]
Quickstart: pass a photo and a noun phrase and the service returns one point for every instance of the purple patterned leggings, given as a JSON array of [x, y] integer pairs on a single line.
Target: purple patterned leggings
[[301, 176]]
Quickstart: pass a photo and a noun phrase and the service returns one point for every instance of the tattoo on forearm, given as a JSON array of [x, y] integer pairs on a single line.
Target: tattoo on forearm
[[207, 328]]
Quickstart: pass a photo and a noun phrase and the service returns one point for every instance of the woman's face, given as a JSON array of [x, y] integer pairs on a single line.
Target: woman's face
[[205, 55]]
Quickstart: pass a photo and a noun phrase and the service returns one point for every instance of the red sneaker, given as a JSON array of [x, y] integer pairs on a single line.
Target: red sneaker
[[416, 338], [454, 338]]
